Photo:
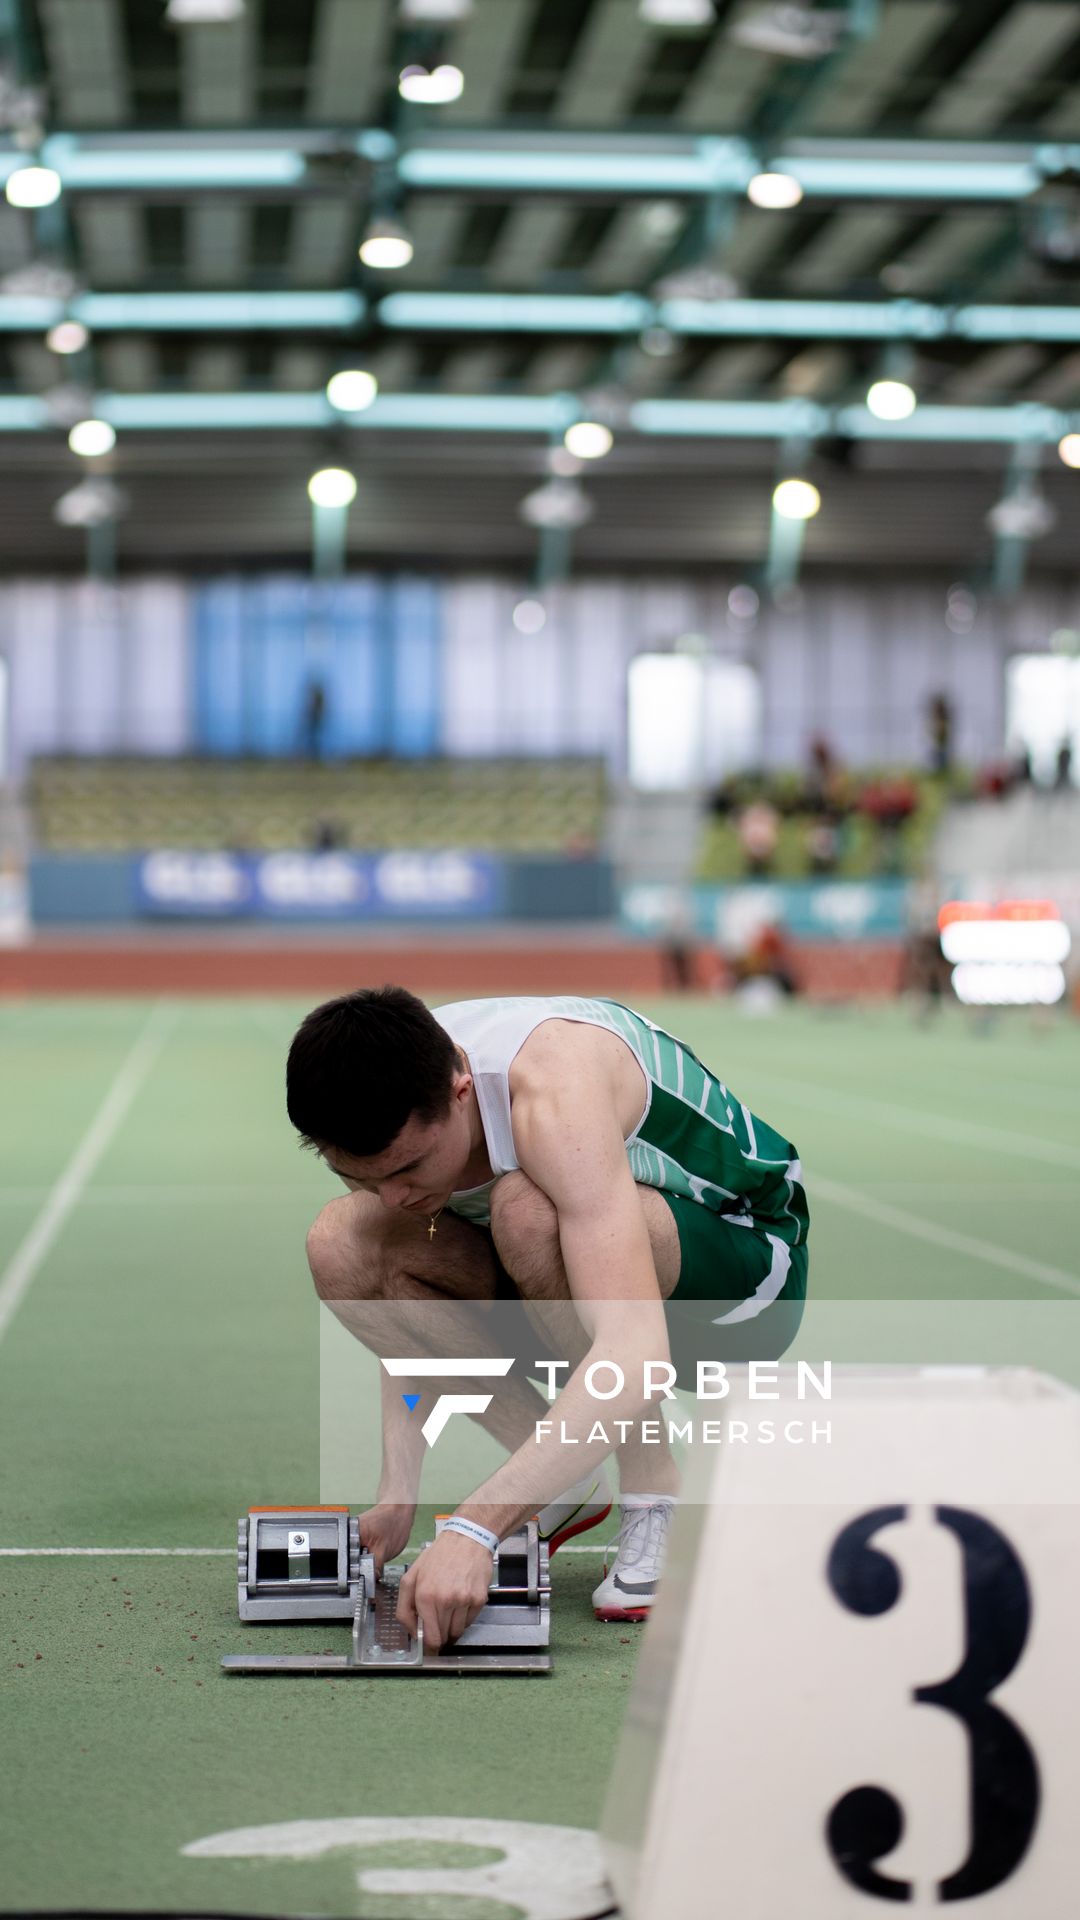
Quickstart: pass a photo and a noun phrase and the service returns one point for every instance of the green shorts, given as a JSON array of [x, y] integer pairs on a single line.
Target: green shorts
[[728, 1304], [740, 1291]]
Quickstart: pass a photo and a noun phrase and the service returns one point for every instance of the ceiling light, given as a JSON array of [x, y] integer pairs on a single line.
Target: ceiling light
[[68, 336], [434, 12], [529, 616], [891, 400], [351, 390], [1069, 449], [558, 503], [91, 438], [790, 32], [203, 13], [700, 282], [33, 187], [431, 86], [386, 246], [90, 504], [332, 487], [776, 190], [1021, 516], [796, 500], [677, 13], [662, 218], [588, 439]]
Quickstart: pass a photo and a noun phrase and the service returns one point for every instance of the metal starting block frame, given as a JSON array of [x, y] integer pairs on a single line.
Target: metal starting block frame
[[308, 1563]]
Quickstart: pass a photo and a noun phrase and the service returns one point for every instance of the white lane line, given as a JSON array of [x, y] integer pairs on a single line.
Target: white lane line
[[920, 1229], [24, 1264], [166, 1553], [928, 1126], [116, 1553]]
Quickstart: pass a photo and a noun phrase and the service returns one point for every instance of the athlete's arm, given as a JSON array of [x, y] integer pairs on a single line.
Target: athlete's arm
[[568, 1133], [570, 1143]]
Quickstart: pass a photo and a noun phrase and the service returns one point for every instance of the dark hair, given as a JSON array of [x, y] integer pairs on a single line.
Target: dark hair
[[359, 1067]]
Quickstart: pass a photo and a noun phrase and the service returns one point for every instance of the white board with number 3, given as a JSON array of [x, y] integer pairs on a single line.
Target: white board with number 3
[[861, 1685]]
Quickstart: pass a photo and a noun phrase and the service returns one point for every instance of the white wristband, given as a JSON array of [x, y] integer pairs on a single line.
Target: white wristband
[[482, 1535]]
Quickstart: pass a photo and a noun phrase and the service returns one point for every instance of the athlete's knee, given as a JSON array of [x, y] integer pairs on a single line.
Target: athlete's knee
[[346, 1264], [524, 1222]]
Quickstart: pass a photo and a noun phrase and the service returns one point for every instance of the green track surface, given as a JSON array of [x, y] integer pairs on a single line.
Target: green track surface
[[161, 1373]]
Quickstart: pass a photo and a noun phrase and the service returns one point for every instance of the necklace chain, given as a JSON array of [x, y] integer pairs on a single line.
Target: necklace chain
[[432, 1228]]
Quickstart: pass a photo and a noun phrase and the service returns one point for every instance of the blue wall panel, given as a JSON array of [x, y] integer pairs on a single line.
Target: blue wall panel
[[374, 645], [355, 674], [415, 707], [276, 623], [219, 668]]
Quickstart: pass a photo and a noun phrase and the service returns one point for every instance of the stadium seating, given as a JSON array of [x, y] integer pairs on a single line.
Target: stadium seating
[[507, 806], [884, 823]]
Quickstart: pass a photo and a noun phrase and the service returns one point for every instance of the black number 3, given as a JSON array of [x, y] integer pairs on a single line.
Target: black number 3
[[868, 1822]]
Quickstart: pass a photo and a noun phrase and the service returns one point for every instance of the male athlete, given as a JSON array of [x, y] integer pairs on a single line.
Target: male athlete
[[569, 1154]]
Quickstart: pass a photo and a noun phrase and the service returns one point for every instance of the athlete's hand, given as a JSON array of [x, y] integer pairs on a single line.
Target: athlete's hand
[[384, 1532], [445, 1588]]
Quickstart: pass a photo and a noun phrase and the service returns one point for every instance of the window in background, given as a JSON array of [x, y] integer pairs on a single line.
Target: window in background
[[692, 720], [1042, 713]]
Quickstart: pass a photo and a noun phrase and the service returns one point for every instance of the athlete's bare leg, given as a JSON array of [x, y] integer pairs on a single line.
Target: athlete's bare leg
[[414, 1292], [401, 1290]]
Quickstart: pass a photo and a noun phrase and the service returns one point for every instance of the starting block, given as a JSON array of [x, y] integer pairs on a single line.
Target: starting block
[[308, 1563]]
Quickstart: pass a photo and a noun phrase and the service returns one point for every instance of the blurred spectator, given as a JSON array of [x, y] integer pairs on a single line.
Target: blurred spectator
[[580, 846], [759, 830], [924, 971], [995, 781], [677, 955], [767, 956], [327, 836], [313, 720], [889, 803], [939, 724], [1063, 767], [725, 797], [823, 845], [822, 776]]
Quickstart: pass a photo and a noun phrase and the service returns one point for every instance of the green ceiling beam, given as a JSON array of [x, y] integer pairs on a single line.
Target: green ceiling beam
[[783, 420], [317, 160]]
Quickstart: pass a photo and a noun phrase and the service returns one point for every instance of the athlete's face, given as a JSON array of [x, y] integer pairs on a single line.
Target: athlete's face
[[423, 1164]]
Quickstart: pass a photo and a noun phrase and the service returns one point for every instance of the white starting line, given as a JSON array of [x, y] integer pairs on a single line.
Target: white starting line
[[177, 1553]]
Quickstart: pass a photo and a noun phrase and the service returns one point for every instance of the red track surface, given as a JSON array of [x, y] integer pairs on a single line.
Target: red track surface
[[172, 965]]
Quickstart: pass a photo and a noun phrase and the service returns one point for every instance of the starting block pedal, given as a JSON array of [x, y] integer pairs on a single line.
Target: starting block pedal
[[308, 1563], [300, 1563]]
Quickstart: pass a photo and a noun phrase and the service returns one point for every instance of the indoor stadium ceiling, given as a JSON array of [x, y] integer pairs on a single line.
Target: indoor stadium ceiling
[[584, 245]]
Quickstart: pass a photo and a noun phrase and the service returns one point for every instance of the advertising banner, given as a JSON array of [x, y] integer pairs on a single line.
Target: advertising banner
[[318, 886], [806, 909]]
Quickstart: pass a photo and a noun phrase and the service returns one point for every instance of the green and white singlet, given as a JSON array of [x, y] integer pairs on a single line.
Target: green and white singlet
[[733, 1183]]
